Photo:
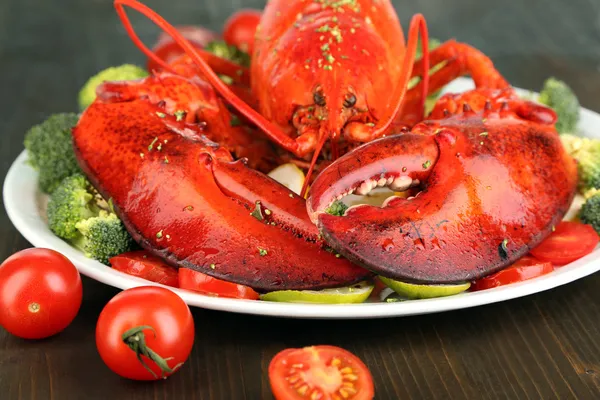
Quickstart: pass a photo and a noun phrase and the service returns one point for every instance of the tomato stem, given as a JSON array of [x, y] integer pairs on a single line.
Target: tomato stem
[[135, 339]]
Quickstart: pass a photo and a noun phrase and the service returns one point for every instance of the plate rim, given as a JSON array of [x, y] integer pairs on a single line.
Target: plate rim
[[21, 204]]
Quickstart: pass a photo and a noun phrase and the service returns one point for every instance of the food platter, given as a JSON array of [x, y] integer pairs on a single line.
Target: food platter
[[25, 207]]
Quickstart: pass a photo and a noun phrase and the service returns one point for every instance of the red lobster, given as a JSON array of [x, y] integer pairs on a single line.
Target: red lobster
[[327, 69]]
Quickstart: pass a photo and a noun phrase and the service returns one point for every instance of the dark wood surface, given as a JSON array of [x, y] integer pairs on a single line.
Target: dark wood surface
[[545, 346]]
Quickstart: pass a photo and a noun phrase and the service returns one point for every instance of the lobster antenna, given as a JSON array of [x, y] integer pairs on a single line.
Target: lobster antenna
[[261, 122], [323, 136], [417, 24], [136, 40]]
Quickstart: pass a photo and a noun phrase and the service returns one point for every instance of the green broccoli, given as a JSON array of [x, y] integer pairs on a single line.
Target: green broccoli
[[124, 72], [559, 96], [586, 152], [78, 214], [590, 210], [71, 202], [337, 208], [103, 237], [50, 149], [228, 52]]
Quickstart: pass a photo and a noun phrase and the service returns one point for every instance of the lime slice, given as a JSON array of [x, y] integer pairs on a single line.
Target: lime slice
[[413, 291], [350, 294], [290, 176]]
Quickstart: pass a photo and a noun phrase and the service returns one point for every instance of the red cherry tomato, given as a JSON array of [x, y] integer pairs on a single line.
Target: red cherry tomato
[[151, 322], [199, 282], [526, 268], [144, 265], [240, 29], [40, 293], [327, 371], [167, 50], [569, 242]]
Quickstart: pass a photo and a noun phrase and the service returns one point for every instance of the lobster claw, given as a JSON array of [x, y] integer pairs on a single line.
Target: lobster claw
[[183, 197], [492, 187]]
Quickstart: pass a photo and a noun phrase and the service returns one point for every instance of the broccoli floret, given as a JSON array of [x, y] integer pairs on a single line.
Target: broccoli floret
[[71, 202], [103, 237], [50, 150], [586, 152], [337, 208], [124, 72], [78, 214], [590, 210], [228, 52], [559, 96]]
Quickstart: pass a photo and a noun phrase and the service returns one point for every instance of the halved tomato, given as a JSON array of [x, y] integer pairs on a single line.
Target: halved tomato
[[144, 265], [199, 282], [569, 242], [527, 267], [320, 372]]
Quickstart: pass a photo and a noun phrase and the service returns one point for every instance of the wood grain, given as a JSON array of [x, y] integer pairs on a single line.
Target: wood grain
[[544, 346]]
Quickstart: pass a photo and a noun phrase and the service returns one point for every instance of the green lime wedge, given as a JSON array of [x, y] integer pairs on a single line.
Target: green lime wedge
[[350, 294], [413, 291]]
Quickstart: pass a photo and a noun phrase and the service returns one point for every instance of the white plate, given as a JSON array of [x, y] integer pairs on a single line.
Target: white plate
[[23, 201]]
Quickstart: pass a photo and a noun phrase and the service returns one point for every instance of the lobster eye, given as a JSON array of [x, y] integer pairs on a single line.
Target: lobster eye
[[350, 100], [319, 99]]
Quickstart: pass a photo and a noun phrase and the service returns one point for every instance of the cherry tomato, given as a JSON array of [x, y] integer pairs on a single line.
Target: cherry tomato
[[327, 371], [144, 265], [167, 50], [240, 29], [40, 293], [526, 268], [151, 322], [569, 242], [199, 282]]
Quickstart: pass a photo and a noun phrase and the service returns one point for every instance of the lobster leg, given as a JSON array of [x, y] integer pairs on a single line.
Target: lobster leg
[[459, 59]]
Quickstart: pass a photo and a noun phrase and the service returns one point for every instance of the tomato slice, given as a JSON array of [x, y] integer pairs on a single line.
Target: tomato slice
[[199, 282], [167, 50], [569, 242], [320, 372], [527, 267], [144, 265]]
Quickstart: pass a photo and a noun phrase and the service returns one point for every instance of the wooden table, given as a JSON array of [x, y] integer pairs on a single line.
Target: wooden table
[[543, 346]]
